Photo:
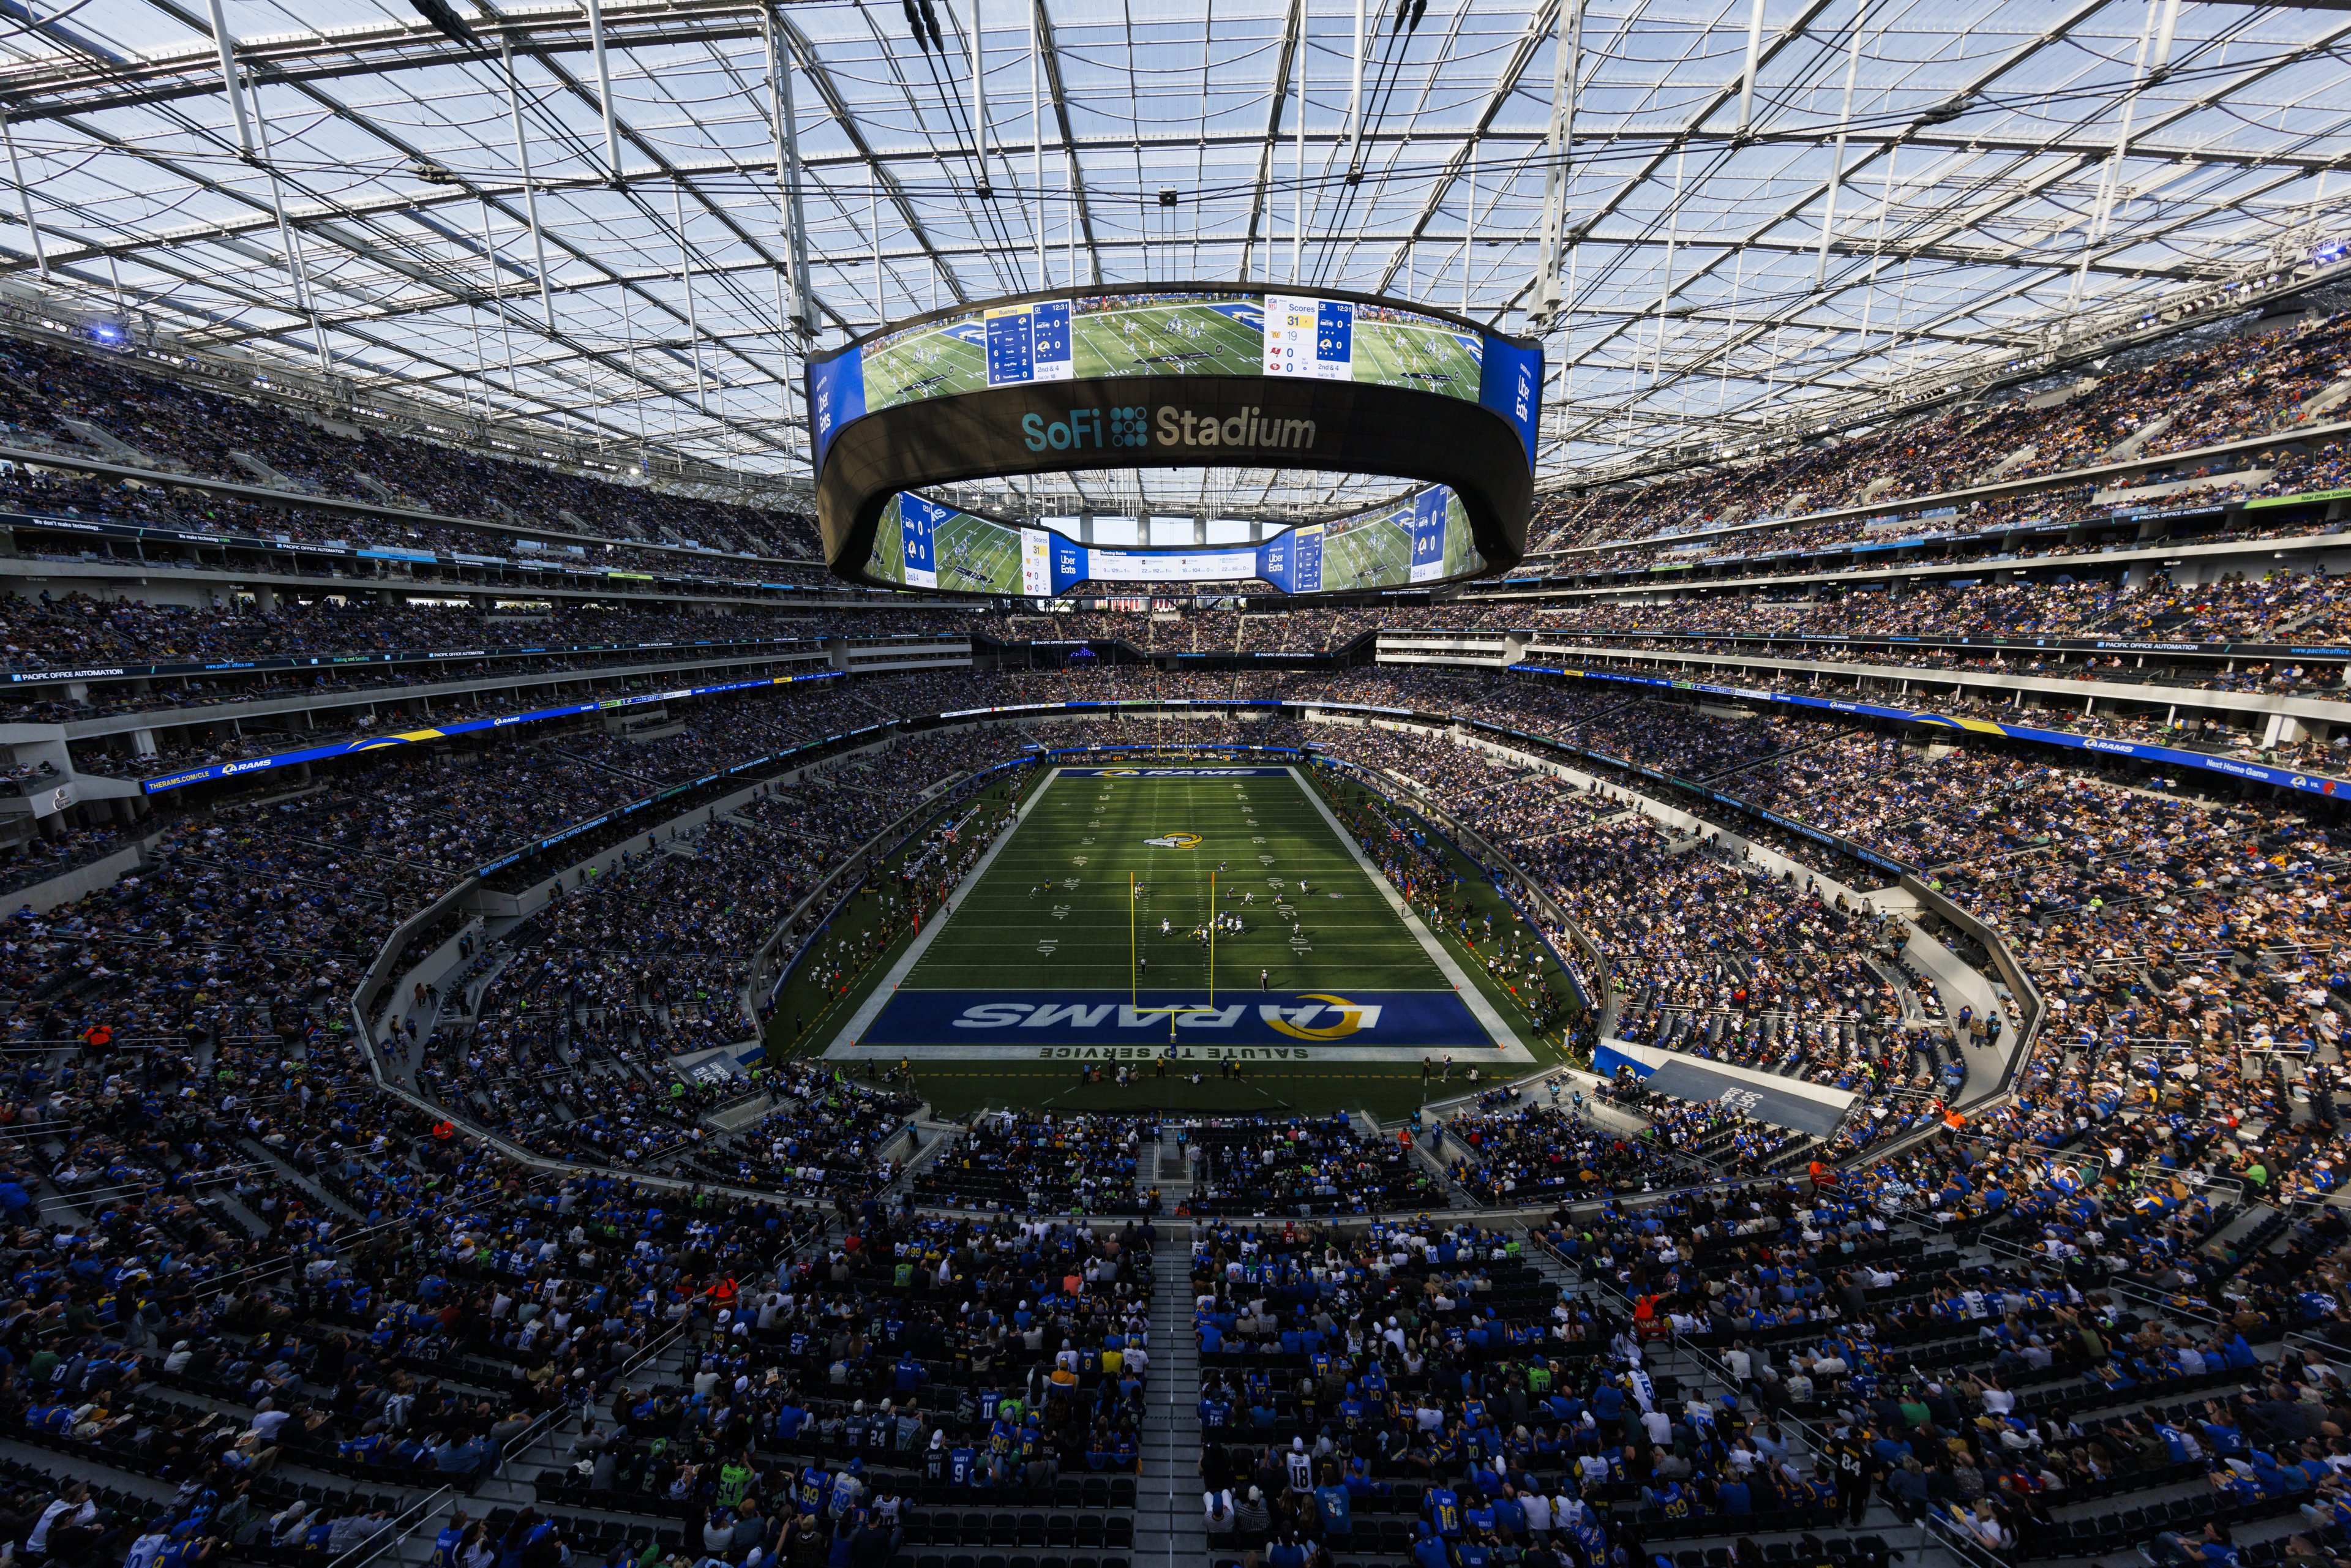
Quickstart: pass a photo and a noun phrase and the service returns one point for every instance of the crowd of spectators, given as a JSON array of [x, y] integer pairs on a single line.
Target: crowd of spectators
[[1303, 1166], [821, 1136], [187, 427], [2302, 605], [77, 631], [236, 1270], [180, 1036], [1072, 1163], [1510, 1157], [2305, 606], [2186, 394]]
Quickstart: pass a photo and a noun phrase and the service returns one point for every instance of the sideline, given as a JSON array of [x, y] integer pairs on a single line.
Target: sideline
[[845, 1044], [1513, 1049]]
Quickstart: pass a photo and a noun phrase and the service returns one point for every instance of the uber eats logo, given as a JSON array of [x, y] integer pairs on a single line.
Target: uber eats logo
[[1168, 425]]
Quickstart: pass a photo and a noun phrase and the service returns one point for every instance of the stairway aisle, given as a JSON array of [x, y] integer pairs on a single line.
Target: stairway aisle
[[1168, 1529], [1691, 1370]]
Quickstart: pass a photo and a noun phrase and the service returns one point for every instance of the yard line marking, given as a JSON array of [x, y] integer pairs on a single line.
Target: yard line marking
[[1514, 1050], [879, 996]]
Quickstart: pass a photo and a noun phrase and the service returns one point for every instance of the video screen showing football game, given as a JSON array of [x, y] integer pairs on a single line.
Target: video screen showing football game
[[1461, 554], [1406, 348], [933, 359], [1417, 540], [1162, 332], [1168, 334], [923, 545]]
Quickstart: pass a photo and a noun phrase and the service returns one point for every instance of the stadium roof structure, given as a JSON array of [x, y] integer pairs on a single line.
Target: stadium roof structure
[[1734, 221]]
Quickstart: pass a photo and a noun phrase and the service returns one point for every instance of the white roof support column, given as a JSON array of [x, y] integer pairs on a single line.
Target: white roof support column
[[1468, 223], [530, 188], [25, 199], [1298, 184], [250, 140], [783, 122], [1356, 103], [297, 263], [603, 88], [1036, 128], [1566, 70], [1746, 76], [685, 275], [1845, 121], [979, 106], [228, 77], [2162, 18]]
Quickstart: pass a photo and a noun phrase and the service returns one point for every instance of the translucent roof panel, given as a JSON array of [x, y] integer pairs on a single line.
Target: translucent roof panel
[[1771, 213]]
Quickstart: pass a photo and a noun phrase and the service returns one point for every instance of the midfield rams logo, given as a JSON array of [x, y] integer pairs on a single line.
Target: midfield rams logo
[[1175, 841]]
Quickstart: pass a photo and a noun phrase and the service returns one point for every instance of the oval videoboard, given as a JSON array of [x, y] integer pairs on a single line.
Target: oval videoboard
[[1184, 376]]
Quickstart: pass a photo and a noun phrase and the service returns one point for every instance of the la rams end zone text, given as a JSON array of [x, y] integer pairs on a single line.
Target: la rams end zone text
[[1403, 1021]]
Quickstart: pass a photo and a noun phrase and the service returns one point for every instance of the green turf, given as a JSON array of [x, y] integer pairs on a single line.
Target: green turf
[[887, 560], [1460, 546], [1163, 340], [1427, 358], [1054, 908], [808, 1014], [1373, 553], [925, 363], [978, 556]]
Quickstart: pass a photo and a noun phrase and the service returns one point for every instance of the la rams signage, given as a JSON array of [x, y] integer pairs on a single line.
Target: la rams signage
[[1244, 1025], [1173, 772]]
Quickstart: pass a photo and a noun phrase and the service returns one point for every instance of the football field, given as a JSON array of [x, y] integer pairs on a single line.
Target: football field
[[1392, 353], [978, 556], [1370, 552], [1086, 936], [1169, 339], [936, 359]]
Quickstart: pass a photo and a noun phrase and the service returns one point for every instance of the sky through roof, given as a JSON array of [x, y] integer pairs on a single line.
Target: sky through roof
[[1901, 189]]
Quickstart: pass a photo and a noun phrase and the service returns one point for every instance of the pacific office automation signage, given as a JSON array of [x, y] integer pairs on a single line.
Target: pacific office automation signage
[[1191, 376], [2168, 756], [463, 727]]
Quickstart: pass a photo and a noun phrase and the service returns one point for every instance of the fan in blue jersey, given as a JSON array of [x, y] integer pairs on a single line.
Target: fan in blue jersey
[[1591, 1538], [446, 1543]]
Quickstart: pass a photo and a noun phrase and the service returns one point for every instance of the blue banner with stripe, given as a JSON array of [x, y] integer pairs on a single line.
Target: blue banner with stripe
[[981, 1019]]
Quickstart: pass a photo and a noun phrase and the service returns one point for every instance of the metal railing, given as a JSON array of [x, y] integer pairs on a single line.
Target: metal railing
[[412, 1517], [210, 1178], [2130, 1289]]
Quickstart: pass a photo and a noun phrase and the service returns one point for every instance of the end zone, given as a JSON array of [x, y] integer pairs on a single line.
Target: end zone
[[1173, 772], [1394, 1027]]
